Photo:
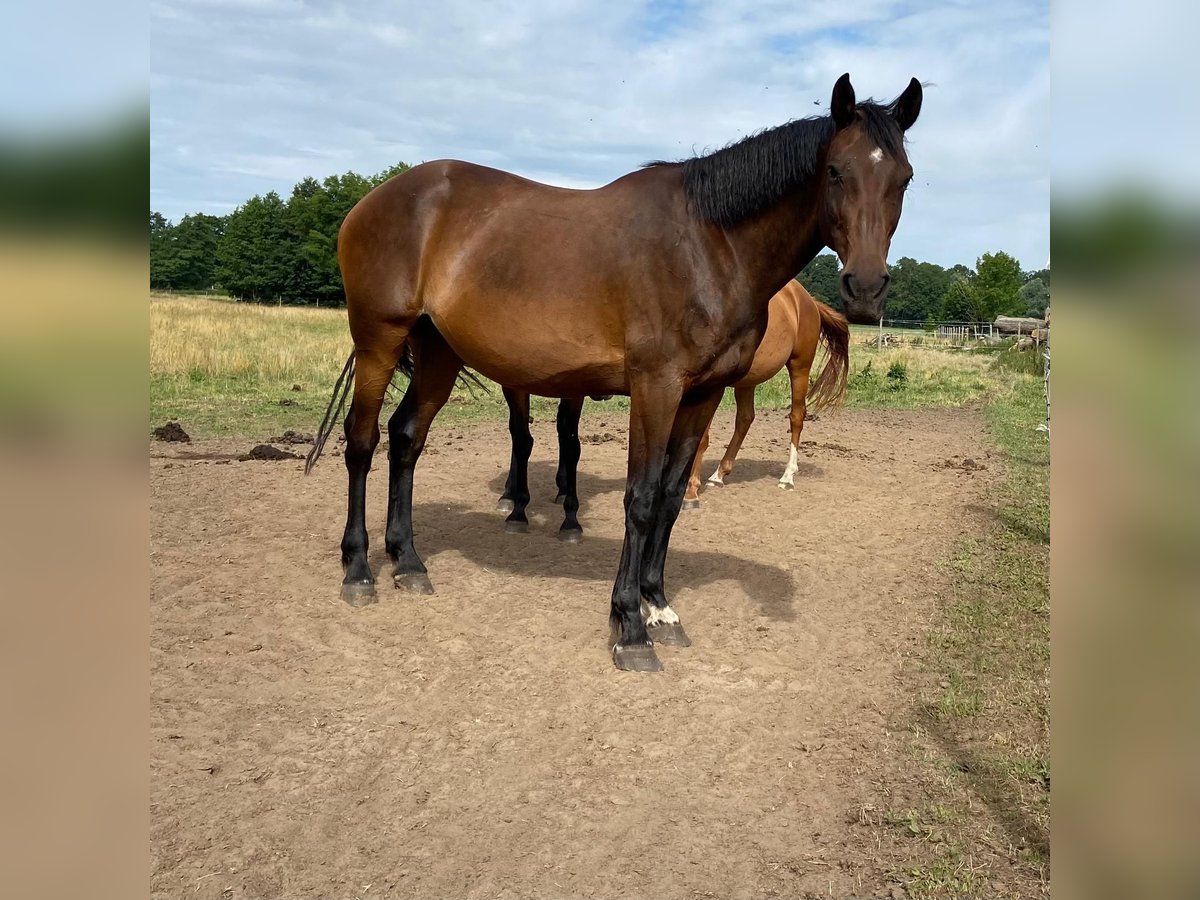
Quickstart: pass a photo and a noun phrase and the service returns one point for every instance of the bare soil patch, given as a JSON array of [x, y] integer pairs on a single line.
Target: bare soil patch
[[479, 742]]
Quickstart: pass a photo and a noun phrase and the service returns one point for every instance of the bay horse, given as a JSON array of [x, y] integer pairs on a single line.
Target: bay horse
[[655, 286], [796, 324]]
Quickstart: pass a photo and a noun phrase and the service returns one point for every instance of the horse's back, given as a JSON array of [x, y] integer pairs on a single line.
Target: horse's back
[[500, 263]]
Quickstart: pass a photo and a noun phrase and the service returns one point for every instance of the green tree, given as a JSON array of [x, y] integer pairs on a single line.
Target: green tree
[[1036, 297], [161, 256], [256, 254], [997, 286], [960, 303], [820, 277], [916, 290], [194, 257]]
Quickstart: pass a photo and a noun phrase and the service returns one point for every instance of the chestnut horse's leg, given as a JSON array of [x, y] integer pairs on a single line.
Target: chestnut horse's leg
[[691, 498], [651, 414], [373, 373], [436, 368], [799, 375], [517, 488], [691, 421], [518, 405], [567, 423], [741, 424]]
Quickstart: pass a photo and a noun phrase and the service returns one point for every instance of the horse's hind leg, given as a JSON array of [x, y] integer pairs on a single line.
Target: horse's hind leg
[[799, 374], [517, 489], [741, 425], [567, 423], [518, 432], [373, 373], [436, 367]]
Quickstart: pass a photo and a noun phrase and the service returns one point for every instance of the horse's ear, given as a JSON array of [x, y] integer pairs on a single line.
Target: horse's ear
[[907, 106], [842, 106]]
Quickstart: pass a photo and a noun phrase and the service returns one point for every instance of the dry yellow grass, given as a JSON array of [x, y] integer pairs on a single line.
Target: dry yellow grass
[[193, 336]]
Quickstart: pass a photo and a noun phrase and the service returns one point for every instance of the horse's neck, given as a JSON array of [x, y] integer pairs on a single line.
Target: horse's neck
[[775, 245]]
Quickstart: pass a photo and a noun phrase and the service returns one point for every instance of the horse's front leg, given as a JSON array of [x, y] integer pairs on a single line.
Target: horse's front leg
[[691, 497], [744, 397], [691, 423], [651, 413]]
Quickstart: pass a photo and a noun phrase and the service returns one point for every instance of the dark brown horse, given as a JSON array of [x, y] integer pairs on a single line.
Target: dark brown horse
[[655, 286]]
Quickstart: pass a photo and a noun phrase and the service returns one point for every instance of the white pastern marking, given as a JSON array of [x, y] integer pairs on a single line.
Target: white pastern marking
[[792, 467], [715, 478], [876, 155], [656, 616]]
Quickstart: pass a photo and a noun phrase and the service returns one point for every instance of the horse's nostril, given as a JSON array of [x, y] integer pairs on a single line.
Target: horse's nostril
[[848, 283]]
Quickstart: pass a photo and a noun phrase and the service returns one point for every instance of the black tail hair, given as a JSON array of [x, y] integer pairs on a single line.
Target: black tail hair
[[341, 390]]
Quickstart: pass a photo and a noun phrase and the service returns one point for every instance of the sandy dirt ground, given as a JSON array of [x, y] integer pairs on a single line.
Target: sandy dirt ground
[[479, 742]]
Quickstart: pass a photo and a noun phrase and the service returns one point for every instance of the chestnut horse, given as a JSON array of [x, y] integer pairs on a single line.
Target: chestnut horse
[[655, 286], [796, 324]]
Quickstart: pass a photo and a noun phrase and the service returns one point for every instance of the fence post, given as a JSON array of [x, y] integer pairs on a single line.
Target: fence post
[[879, 344]]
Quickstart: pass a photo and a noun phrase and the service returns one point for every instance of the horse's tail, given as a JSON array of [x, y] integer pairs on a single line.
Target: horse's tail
[[830, 387], [341, 390]]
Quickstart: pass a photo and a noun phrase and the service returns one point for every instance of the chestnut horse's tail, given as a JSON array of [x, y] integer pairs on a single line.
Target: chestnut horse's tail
[[341, 390], [830, 386]]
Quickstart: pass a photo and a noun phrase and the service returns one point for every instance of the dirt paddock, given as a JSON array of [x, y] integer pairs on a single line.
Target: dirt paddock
[[479, 742]]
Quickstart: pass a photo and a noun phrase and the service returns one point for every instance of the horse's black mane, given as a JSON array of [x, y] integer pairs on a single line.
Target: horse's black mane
[[742, 179]]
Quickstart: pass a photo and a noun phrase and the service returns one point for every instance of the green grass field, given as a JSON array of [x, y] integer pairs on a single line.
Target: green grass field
[[225, 368]]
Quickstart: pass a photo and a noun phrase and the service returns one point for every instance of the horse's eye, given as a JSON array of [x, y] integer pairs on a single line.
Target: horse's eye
[[835, 175], [907, 183]]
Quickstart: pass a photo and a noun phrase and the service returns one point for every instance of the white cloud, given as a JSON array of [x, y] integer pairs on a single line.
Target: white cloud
[[578, 93]]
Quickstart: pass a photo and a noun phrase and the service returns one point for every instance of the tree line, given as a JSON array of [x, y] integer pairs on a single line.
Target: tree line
[[270, 249], [267, 249], [926, 292]]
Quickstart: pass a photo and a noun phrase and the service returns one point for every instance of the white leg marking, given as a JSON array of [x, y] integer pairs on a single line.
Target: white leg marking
[[792, 467], [715, 477], [656, 616]]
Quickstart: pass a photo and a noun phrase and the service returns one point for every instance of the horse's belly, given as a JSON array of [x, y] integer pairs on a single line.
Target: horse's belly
[[549, 355]]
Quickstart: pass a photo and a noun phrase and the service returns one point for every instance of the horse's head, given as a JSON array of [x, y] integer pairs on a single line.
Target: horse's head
[[867, 172]]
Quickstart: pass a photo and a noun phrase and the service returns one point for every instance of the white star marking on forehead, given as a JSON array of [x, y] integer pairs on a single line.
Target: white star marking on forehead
[[876, 155]]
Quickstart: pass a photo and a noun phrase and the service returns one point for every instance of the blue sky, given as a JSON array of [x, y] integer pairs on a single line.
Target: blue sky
[[249, 96]]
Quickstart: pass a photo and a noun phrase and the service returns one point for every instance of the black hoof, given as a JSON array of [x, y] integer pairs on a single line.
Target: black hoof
[[670, 633], [570, 535], [636, 658], [690, 504], [515, 527], [359, 593], [413, 582], [504, 505]]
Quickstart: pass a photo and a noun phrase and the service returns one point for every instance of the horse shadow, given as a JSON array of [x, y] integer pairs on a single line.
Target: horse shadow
[[542, 472], [542, 485], [479, 536], [755, 469]]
